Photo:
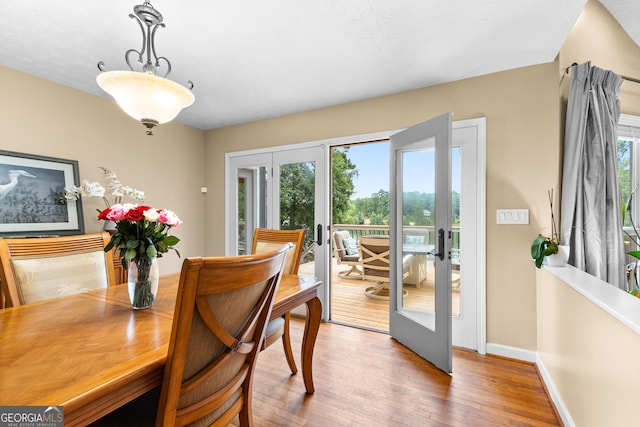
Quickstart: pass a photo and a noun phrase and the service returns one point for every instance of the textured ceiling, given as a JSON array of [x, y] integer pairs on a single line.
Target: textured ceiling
[[256, 59]]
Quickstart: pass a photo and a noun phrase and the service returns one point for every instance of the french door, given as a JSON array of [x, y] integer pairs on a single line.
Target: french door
[[282, 189], [425, 330]]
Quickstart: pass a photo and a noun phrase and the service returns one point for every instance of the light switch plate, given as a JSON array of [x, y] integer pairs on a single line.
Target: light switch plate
[[512, 216]]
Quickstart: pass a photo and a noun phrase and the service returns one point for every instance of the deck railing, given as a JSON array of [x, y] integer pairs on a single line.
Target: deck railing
[[358, 230]]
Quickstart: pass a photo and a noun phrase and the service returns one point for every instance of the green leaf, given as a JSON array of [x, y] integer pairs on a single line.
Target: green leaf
[[541, 247], [635, 254], [151, 251], [550, 249], [536, 247], [171, 240], [130, 254]]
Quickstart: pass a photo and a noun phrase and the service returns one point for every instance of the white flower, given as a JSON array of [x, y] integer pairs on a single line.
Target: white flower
[[94, 189], [87, 189], [117, 192], [120, 190], [151, 215], [128, 206], [137, 194]]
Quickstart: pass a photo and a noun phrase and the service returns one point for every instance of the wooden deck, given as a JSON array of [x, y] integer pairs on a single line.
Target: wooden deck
[[350, 306]]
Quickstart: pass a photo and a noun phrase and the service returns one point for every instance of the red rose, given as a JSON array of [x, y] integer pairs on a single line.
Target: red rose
[[136, 214], [104, 213]]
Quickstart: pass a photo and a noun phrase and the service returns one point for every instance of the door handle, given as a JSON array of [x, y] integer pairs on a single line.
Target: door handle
[[319, 241], [440, 253]]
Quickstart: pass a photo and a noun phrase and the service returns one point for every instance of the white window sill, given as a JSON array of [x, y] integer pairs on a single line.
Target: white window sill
[[619, 304]]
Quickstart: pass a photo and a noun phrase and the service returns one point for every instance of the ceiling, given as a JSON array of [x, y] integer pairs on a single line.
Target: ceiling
[[256, 59]]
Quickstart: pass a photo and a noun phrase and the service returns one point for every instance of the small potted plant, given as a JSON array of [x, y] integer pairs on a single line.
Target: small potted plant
[[546, 246]]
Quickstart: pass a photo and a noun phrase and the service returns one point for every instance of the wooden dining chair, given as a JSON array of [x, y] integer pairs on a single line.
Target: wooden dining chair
[[266, 239], [222, 309], [36, 269]]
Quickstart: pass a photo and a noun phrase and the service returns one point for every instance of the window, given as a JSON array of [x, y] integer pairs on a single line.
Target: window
[[629, 180]]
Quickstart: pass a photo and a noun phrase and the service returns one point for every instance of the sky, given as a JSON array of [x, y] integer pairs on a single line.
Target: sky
[[372, 163]]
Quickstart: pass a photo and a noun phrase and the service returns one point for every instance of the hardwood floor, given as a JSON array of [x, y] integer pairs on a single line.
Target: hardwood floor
[[365, 378]]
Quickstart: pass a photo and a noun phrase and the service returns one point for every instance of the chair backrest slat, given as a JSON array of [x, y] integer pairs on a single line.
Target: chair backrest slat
[[265, 239], [374, 254]]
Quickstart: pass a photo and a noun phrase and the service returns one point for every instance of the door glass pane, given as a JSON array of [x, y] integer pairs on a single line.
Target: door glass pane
[[242, 215], [297, 206], [418, 234], [252, 205], [456, 230]]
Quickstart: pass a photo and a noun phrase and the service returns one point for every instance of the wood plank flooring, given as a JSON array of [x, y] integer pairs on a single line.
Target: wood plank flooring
[[349, 304], [365, 378]]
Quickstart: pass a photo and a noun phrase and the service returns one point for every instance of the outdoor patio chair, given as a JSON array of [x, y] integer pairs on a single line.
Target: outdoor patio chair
[[374, 253], [347, 253]]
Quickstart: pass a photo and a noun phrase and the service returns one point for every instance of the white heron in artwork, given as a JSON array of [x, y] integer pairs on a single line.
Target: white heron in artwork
[[13, 181]]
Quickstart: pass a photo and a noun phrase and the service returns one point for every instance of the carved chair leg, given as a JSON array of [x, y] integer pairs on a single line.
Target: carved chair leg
[[286, 343]]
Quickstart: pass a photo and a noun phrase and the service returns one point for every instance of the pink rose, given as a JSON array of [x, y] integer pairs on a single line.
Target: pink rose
[[116, 213], [170, 218]]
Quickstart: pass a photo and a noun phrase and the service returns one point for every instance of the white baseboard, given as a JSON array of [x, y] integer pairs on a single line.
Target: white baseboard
[[534, 357], [512, 352], [563, 412]]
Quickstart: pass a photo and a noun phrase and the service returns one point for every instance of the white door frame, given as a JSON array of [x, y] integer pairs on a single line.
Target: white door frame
[[481, 202]]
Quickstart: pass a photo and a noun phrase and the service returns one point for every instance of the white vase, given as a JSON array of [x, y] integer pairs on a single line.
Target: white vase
[[110, 227], [560, 259]]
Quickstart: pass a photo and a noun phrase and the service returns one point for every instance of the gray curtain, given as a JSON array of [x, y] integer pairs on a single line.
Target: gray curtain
[[591, 207]]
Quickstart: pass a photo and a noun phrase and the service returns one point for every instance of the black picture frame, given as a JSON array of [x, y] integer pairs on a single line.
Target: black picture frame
[[31, 190]]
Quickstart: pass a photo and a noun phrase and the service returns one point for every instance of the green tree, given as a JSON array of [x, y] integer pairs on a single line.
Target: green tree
[[381, 207], [342, 173], [624, 173], [297, 197]]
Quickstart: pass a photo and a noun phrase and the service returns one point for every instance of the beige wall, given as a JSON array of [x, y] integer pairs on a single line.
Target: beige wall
[[521, 107], [597, 37], [588, 354], [591, 356], [45, 118]]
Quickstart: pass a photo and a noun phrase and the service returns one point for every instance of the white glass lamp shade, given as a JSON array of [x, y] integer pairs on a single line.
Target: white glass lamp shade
[[146, 96]]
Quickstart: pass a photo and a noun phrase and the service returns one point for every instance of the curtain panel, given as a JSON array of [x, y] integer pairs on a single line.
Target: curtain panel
[[591, 215]]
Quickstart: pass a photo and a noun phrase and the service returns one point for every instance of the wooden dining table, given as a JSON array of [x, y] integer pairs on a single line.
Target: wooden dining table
[[92, 353]]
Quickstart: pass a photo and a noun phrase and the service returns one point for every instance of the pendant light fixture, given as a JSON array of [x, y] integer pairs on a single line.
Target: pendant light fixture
[[144, 95]]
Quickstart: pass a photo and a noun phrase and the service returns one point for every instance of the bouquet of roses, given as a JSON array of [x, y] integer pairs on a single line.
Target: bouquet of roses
[[142, 231]]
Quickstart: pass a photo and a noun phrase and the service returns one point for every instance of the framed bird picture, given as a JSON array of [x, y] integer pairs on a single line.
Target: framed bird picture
[[31, 202]]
